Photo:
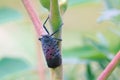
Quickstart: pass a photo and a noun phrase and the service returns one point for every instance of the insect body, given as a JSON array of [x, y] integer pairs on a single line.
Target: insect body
[[51, 49]]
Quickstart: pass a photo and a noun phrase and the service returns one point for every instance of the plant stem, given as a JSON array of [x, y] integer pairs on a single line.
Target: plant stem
[[39, 29], [56, 21], [55, 17], [34, 17], [57, 73], [41, 64], [111, 66]]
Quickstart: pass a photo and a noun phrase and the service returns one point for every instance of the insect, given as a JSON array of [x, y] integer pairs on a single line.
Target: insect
[[50, 48]]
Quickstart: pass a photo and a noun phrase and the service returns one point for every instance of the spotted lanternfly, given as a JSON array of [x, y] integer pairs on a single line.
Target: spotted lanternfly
[[50, 48]]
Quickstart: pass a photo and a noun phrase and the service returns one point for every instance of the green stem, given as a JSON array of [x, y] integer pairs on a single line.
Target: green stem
[[56, 21], [55, 18]]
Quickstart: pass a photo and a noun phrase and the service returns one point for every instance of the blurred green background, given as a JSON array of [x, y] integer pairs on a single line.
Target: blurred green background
[[91, 38]]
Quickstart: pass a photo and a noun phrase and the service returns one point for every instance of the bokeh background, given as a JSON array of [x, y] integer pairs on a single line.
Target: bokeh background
[[91, 38]]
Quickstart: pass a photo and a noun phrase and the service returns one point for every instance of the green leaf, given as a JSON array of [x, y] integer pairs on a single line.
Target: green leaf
[[102, 39], [100, 47], [71, 74], [115, 31], [45, 3], [110, 4], [89, 73], [8, 14], [84, 52], [31, 74], [112, 14], [62, 5], [9, 66], [103, 64]]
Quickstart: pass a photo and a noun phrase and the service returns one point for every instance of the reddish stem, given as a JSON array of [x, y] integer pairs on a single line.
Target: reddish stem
[[111, 66], [40, 31], [41, 64], [34, 17]]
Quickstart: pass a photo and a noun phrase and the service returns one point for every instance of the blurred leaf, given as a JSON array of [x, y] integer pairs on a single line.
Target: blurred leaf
[[116, 47], [103, 64], [63, 6], [31, 74], [89, 72], [108, 4], [45, 3], [8, 14], [109, 15], [102, 39], [112, 4], [96, 45], [100, 47], [117, 32], [72, 73], [9, 66], [85, 52]]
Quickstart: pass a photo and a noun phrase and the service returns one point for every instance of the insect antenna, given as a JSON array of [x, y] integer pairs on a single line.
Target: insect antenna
[[57, 30], [45, 26]]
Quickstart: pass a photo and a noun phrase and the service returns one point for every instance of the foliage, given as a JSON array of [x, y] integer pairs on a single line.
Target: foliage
[[9, 66], [8, 14], [97, 50]]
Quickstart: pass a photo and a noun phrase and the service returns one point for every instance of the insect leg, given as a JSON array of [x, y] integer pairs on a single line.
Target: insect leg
[[58, 39], [40, 39], [56, 30], [44, 25]]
